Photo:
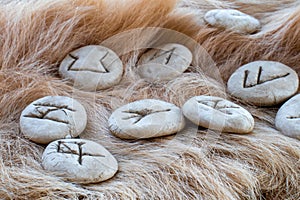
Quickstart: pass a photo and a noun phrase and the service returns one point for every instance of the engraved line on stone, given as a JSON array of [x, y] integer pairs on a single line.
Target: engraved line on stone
[[49, 153], [58, 146], [79, 153], [258, 78], [66, 107], [216, 102], [75, 58], [142, 114], [43, 115], [90, 70], [216, 106], [101, 61], [163, 52], [60, 150], [245, 78], [259, 75], [294, 117], [224, 109]]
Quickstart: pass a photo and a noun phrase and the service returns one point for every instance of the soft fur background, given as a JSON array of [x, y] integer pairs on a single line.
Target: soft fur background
[[195, 164]]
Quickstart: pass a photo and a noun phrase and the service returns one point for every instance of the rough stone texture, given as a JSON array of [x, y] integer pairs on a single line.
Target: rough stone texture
[[51, 118], [92, 68], [146, 119], [263, 83], [165, 62], [80, 161], [218, 114], [233, 20], [288, 117]]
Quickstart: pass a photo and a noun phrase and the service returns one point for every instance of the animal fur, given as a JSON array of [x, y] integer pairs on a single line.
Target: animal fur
[[196, 164]]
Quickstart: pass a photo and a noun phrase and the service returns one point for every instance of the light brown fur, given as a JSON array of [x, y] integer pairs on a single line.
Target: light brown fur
[[195, 164]]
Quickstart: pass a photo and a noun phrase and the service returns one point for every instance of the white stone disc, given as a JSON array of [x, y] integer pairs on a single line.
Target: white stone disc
[[146, 119], [218, 114], [51, 118], [263, 83], [92, 68], [78, 160]]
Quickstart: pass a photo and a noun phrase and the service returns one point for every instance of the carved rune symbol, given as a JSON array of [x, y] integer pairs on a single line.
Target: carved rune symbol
[[259, 80], [74, 148], [43, 110], [142, 114], [215, 105], [75, 58], [96, 69], [162, 53]]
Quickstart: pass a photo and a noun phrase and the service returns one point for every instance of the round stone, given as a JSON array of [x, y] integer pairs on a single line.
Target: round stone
[[92, 68], [51, 118], [165, 62], [233, 20], [81, 161], [146, 119], [288, 118], [263, 83], [218, 114]]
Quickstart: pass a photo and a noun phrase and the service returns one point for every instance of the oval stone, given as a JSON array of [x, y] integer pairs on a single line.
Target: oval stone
[[288, 118], [263, 83], [92, 68], [51, 118], [218, 114], [80, 161], [165, 62], [233, 20], [146, 119]]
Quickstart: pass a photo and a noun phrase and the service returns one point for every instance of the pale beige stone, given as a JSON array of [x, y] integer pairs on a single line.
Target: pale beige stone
[[288, 118], [263, 83], [51, 118], [146, 119], [80, 161], [92, 68], [233, 20], [218, 114], [165, 62]]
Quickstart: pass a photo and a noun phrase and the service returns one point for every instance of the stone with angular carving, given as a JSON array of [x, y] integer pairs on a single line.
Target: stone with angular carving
[[146, 119], [92, 68], [233, 20], [80, 161], [164, 62], [51, 118], [218, 114], [288, 118], [263, 83]]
